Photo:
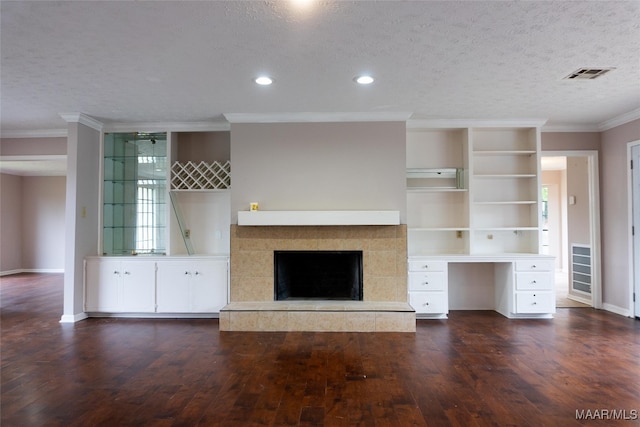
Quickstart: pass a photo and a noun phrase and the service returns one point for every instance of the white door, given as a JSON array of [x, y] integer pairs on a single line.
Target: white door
[[138, 286], [209, 286], [104, 279], [173, 287], [635, 155]]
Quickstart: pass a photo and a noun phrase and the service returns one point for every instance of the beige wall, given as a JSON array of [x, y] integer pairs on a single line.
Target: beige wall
[[10, 223], [43, 206], [565, 141], [318, 166], [578, 213], [33, 146], [614, 213]]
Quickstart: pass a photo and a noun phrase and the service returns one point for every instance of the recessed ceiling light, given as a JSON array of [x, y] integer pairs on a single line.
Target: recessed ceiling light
[[363, 80], [263, 80]]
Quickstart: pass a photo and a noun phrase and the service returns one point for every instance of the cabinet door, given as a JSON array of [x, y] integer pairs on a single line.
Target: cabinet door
[[138, 286], [173, 287], [103, 286], [209, 286]]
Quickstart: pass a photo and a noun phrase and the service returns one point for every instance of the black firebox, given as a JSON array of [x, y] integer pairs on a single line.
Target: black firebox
[[326, 275]]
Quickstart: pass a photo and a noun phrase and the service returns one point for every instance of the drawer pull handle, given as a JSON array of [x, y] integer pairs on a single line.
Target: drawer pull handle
[[425, 283], [534, 303], [425, 304], [426, 266], [533, 266], [116, 272], [126, 272], [534, 282]]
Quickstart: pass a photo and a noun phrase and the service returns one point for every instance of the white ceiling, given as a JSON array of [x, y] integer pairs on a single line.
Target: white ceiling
[[194, 61]]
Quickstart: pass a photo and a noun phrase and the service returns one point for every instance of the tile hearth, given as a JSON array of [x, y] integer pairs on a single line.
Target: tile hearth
[[318, 316]]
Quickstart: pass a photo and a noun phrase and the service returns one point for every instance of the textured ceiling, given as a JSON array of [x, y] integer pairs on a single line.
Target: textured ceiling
[[195, 61]]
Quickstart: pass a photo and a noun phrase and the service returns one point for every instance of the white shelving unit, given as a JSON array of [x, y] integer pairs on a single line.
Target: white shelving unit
[[473, 196], [437, 191]]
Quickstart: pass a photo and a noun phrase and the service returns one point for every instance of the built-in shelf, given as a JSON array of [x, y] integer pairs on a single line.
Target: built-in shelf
[[270, 218]]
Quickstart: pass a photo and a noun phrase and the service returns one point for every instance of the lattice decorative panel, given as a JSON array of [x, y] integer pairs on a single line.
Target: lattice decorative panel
[[200, 176]]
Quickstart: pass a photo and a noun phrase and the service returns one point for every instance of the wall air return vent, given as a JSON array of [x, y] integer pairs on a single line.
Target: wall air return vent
[[588, 73]]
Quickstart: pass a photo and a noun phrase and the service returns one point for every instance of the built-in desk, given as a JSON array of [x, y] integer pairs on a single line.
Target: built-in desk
[[515, 285]]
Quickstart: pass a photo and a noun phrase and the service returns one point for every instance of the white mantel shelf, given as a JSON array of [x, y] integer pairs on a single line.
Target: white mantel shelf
[[266, 218]]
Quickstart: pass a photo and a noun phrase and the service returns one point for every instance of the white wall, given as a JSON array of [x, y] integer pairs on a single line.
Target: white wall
[[318, 166], [10, 223], [43, 208]]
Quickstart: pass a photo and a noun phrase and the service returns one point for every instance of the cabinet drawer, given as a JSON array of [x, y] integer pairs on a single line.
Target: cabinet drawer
[[425, 265], [429, 302], [534, 265], [534, 281], [535, 302], [427, 281]]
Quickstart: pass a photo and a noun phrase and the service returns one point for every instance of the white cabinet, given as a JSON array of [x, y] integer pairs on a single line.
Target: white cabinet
[[114, 285], [192, 286], [138, 285], [428, 287], [534, 288]]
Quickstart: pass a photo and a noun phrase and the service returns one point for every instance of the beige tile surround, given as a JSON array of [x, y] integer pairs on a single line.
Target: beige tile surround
[[384, 280]]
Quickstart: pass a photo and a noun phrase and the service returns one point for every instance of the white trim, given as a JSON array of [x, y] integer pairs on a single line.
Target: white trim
[[571, 128], [615, 309], [167, 127], [35, 133], [620, 120], [36, 157], [316, 117], [82, 119], [465, 123], [269, 218], [594, 223], [73, 318], [630, 261], [43, 270]]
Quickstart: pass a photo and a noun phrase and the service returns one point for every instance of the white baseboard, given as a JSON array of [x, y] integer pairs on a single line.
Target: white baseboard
[[617, 310], [43, 270], [73, 318], [32, 270]]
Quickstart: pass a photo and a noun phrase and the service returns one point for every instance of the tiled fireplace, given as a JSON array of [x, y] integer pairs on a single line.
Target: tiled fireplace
[[383, 306]]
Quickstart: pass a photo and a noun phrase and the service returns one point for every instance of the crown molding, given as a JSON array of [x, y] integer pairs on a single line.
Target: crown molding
[[34, 133], [83, 119], [316, 117], [570, 128], [619, 120], [167, 127], [472, 123]]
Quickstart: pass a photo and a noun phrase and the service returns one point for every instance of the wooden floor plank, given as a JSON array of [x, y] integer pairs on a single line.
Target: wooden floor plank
[[475, 369]]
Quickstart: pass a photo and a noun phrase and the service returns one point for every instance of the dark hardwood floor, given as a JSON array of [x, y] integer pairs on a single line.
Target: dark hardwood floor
[[475, 369]]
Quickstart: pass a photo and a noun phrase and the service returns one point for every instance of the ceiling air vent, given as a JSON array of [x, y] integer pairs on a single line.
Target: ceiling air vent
[[588, 73]]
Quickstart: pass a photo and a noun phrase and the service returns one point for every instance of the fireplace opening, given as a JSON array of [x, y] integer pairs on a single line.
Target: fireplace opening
[[327, 275]]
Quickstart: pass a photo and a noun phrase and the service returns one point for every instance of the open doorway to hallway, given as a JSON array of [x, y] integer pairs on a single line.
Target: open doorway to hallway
[[567, 217]]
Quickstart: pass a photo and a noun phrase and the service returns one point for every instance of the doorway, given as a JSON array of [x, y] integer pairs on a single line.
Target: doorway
[[570, 225]]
